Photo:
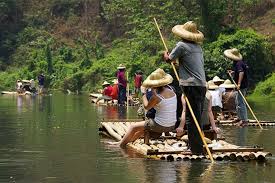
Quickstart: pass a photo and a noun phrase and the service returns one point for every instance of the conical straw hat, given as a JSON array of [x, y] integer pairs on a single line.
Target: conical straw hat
[[211, 85], [233, 54], [217, 79], [157, 78], [227, 84], [105, 83], [121, 66], [189, 32]]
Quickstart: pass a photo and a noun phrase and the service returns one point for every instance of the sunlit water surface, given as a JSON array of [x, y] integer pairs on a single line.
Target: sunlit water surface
[[55, 139]]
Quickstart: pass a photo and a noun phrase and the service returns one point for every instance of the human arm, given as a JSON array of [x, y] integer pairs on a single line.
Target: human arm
[[211, 116], [154, 100], [177, 52], [241, 75]]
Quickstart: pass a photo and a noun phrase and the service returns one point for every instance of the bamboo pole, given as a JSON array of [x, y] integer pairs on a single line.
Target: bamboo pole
[[246, 102], [186, 99]]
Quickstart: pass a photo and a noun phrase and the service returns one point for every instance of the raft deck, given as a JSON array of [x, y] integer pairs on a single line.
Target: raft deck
[[171, 148]]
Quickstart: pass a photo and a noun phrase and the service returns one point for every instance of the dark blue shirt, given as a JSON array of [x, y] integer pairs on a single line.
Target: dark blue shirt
[[41, 80], [240, 66]]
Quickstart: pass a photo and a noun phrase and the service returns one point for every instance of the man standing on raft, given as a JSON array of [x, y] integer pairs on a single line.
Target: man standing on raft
[[240, 78], [192, 77]]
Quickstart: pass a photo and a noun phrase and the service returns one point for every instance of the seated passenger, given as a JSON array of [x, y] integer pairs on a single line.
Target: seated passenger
[[107, 92], [216, 98], [163, 100], [19, 86], [228, 99], [207, 117]]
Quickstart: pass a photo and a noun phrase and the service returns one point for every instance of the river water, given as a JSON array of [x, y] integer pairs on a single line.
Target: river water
[[54, 139]]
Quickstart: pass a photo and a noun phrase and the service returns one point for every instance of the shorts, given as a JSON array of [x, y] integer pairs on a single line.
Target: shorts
[[155, 129], [216, 109]]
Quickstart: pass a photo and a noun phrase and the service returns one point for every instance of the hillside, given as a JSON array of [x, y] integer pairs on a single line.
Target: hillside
[[79, 43], [261, 18]]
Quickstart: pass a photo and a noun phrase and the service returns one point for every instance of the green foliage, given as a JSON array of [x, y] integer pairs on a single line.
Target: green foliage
[[266, 87], [255, 49], [77, 52]]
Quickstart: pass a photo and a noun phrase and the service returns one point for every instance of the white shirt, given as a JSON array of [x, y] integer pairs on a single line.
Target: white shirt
[[216, 97]]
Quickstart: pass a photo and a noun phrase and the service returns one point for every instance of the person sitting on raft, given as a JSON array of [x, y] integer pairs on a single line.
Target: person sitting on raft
[[228, 99], [19, 86], [163, 100], [207, 117], [107, 92]]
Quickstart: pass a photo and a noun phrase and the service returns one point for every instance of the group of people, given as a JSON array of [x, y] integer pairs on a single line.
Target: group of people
[[118, 91], [193, 85], [29, 86]]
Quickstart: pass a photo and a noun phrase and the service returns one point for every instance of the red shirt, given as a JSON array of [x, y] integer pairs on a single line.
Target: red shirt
[[115, 92], [138, 80], [108, 91]]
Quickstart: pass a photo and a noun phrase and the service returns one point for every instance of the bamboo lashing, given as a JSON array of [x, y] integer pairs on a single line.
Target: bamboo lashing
[[186, 99], [246, 101]]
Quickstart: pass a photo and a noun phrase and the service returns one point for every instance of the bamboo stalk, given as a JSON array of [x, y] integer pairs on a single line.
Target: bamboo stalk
[[111, 131], [186, 99], [246, 102]]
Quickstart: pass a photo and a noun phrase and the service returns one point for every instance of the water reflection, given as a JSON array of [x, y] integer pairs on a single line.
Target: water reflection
[[55, 139]]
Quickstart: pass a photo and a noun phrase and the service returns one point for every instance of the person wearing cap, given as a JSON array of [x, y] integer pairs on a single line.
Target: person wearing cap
[[122, 84], [138, 82], [240, 77], [192, 76], [107, 91], [228, 98], [216, 98], [164, 101]]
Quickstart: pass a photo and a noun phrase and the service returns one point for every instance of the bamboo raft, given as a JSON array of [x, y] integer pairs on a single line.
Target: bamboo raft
[[93, 98], [251, 123], [171, 148]]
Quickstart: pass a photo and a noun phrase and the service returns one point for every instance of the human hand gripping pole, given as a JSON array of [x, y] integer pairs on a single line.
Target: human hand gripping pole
[[186, 99], [245, 100]]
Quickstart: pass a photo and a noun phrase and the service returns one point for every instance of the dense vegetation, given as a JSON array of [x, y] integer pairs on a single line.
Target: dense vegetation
[[79, 43]]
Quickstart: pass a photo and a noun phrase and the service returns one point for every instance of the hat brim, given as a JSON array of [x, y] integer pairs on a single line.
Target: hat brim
[[220, 80], [105, 84], [148, 83], [230, 55], [213, 87], [227, 86], [121, 67], [190, 36]]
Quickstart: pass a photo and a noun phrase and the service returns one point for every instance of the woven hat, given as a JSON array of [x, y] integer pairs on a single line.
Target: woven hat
[[217, 79], [121, 66], [189, 32], [105, 83], [211, 85], [157, 78], [233, 54], [227, 84]]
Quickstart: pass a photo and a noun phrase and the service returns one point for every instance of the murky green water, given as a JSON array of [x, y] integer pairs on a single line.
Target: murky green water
[[55, 139]]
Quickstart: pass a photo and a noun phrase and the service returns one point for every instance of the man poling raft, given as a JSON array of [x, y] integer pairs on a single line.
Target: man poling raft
[[192, 78]]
